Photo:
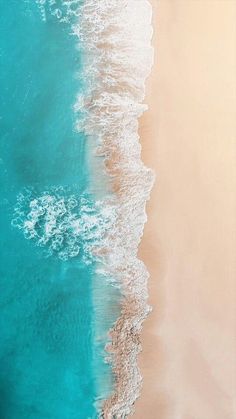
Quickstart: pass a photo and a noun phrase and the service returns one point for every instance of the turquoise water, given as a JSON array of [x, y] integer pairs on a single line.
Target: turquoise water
[[52, 363]]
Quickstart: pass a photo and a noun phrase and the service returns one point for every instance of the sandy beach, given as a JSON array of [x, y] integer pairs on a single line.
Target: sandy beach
[[188, 138]]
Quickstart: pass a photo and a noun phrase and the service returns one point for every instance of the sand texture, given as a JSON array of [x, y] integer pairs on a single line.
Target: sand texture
[[188, 138]]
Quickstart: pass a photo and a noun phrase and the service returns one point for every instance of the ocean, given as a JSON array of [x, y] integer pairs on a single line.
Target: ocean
[[72, 206], [51, 345]]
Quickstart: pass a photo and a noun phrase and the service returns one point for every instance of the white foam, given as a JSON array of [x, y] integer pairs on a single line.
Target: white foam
[[62, 10], [64, 225], [116, 36]]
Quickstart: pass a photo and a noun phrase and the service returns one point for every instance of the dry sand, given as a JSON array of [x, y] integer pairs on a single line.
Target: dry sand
[[188, 137]]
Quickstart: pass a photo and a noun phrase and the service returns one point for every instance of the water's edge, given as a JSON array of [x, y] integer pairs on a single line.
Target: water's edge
[[117, 37]]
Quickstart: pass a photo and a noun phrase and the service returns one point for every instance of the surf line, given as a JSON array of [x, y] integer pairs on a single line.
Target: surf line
[[116, 37]]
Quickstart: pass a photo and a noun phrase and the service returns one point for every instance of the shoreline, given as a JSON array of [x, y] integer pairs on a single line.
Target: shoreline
[[120, 51], [135, 186], [187, 136]]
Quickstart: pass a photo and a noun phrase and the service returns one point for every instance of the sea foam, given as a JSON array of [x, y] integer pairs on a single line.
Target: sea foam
[[116, 38], [63, 224]]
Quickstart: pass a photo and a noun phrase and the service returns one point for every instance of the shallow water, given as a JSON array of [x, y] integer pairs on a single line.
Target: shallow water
[[55, 308]]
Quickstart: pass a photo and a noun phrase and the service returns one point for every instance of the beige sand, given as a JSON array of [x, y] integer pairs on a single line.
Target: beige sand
[[188, 137]]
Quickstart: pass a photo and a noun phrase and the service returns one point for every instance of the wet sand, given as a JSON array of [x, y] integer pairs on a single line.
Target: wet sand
[[188, 137]]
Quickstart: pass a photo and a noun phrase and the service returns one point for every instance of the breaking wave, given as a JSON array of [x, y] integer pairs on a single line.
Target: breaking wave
[[116, 38]]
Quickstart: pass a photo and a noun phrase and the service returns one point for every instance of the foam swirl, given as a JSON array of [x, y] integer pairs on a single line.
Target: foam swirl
[[116, 36], [65, 225]]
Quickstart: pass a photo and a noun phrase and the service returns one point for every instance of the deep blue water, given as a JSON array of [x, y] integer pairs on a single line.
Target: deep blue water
[[51, 366]]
